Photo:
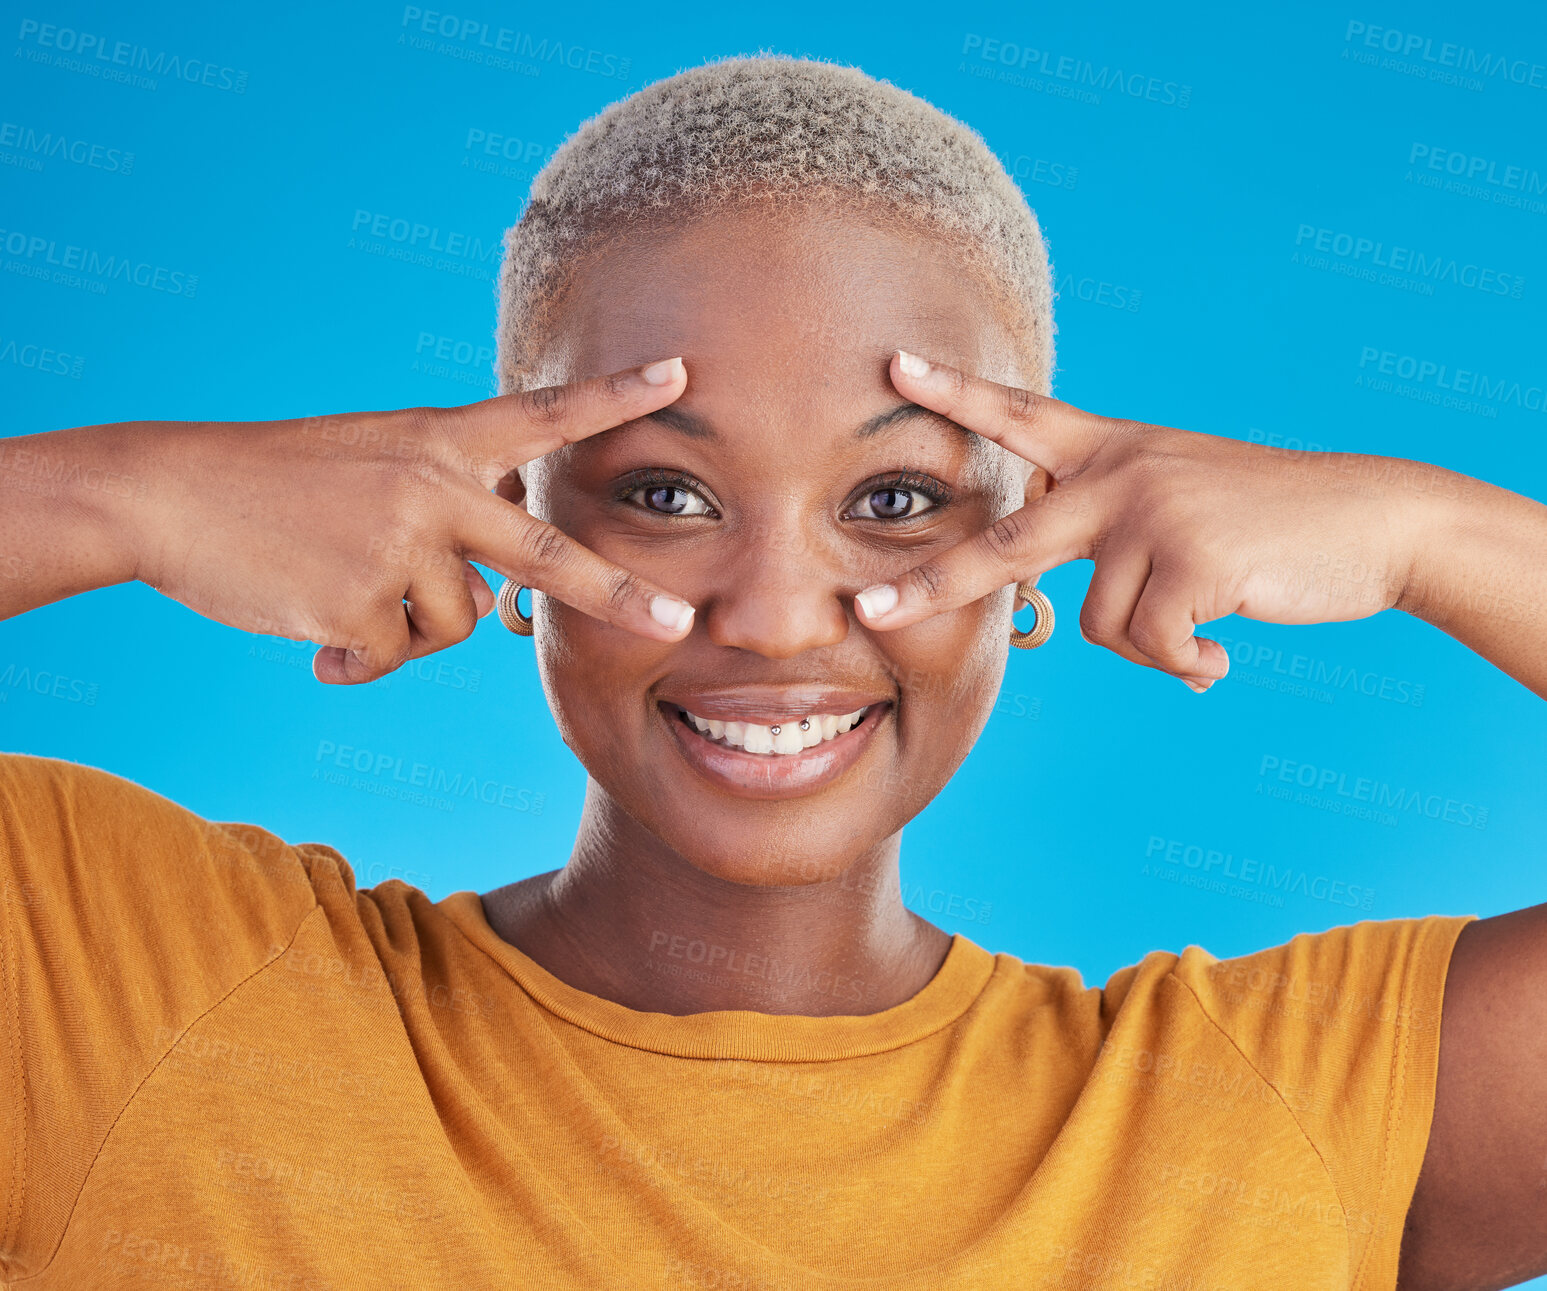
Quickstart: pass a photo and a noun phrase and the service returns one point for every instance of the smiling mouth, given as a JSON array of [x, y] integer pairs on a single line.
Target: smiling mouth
[[756, 767], [781, 739]]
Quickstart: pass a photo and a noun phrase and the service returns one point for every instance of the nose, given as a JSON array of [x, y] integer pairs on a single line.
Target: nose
[[779, 598]]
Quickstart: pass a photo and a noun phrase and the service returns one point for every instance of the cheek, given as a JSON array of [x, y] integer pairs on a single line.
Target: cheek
[[593, 676], [949, 670]]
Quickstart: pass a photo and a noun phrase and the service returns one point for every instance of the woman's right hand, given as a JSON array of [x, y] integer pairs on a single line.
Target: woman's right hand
[[356, 531]]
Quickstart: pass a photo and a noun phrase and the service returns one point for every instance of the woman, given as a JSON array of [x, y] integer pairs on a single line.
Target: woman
[[715, 1050]]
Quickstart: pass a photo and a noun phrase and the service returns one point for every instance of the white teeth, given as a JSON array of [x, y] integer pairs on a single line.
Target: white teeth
[[820, 727], [759, 739], [790, 739]]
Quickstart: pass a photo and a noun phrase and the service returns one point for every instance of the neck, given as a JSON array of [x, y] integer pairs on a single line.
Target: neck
[[632, 921]]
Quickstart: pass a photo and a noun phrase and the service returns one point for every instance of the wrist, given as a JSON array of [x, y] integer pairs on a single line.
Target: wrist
[[59, 533], [1444, 534], [105, 495]]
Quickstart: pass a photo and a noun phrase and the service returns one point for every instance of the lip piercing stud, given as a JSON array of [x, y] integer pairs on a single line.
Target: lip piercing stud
[[805, 723], [773, 730]]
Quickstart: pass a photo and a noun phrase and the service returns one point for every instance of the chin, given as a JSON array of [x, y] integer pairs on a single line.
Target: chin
[[759, 868], [786, 843]]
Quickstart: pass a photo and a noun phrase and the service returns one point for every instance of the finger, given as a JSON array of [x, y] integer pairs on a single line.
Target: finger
[[537, 554], [483, 598], [382, 646], [1057, 527], [1055, 435], [496, 435], [1163, 625], [440, 614], [1114, 592]]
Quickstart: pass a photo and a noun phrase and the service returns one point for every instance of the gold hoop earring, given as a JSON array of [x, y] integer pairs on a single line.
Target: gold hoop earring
[[510, 609], [1044, 625]]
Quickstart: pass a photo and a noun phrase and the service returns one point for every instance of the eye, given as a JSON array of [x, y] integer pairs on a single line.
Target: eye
[[899, 497], [666, 493], [671, 500], [893, 504]]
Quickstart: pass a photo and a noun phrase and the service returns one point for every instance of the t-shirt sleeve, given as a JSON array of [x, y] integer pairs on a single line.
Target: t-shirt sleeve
[[123, 918], [1345, 1026]]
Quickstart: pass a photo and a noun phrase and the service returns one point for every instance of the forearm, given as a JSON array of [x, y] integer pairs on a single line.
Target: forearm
[[1480, 574], [64, 497]]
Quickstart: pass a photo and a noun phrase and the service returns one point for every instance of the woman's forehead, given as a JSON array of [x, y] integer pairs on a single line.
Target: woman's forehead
[[756, 296]]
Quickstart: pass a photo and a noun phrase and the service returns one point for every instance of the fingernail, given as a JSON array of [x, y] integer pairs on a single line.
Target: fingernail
[[878, 600], [1187, 681], [668, 611], [912, 364], [662, 374]]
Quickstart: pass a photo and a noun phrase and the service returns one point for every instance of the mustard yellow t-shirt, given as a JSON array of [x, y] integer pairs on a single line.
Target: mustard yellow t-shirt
[[222, 1065]]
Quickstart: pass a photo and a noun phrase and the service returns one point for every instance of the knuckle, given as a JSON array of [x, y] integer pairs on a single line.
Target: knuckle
[[623, 587], [547, 405], [454, 626], [1004, 538], [1021, 407], [1150, 639], [544, 546], [617, 385], [931, 580], [1099, 626]]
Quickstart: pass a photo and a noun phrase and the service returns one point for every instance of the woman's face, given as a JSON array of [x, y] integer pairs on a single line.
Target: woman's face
[[788, 476]]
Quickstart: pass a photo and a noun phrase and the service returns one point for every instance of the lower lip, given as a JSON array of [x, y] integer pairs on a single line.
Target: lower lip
[[774, 775]]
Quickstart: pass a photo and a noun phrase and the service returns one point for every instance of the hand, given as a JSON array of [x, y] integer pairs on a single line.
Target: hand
[[356, 531], [1184, 528]]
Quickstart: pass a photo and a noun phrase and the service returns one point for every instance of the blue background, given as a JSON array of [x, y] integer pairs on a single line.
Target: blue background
[[1053, 840]]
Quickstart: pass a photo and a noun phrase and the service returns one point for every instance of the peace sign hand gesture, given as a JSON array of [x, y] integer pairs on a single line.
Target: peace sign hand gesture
[[357, 531], [1184, 528]]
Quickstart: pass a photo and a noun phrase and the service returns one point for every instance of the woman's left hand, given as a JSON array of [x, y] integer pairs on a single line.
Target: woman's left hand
[[1183, 527]]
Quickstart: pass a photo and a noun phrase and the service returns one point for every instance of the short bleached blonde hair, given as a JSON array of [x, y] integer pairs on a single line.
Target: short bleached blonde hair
[[770, 126]]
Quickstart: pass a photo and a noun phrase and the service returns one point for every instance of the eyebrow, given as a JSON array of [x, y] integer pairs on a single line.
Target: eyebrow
[[904, 412], [695, 427]]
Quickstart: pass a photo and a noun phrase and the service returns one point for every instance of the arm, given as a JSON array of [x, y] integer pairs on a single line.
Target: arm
[[1478, 1219], [57, 536], [1481, 576], [1479, 1213], [1186, 528]]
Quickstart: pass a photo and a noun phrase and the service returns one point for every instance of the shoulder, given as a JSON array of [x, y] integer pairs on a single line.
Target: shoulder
[[81, 844], [1316, 1058], [1343, 1027], [1337, 986], [124, 919], [1358, 1003]]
